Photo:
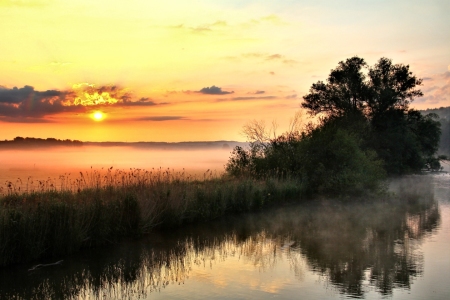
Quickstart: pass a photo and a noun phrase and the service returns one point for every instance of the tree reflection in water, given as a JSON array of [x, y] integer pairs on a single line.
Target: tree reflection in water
[[355, 246]]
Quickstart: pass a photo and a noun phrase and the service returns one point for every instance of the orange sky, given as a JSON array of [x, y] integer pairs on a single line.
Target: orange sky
[[197, 70]]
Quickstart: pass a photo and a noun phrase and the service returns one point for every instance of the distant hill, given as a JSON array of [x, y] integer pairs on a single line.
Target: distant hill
[[444, 118], [442, 112]]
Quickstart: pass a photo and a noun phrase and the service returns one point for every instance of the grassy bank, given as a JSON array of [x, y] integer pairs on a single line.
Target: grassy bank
[[100, 208]]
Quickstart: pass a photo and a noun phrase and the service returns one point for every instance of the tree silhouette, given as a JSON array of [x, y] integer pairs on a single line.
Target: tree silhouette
[[355, 87]]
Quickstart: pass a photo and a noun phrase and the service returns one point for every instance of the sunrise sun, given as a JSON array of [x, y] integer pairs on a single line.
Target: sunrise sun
[[98, 116]]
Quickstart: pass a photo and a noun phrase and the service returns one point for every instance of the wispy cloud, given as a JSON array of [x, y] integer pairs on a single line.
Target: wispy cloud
[[253, 98], [263, 58], [269, 19], [141, 102], [20, 119], [161, 118], [437, 90], [203, 28], [274, 57], [247, 98]]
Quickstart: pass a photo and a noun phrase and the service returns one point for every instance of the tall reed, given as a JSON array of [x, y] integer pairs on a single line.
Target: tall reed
[[49, 218]]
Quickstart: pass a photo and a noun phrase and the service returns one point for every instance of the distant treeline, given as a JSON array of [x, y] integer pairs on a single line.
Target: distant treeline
[[444, 118], [20, 142], [29, 142], [442, 112]]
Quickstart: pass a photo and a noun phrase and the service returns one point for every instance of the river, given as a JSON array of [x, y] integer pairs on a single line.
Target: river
[[322, 249]]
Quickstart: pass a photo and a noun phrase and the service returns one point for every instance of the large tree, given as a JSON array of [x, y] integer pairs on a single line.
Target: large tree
[[390, 87], [345, 91], [403, 138], [356, 87]]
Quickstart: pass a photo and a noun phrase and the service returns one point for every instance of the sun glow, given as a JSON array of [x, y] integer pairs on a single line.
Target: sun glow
[[95, 99], [88, 94], [97, 116]]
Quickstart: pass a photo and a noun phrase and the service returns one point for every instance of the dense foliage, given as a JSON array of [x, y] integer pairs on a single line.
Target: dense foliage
[[366, 131]]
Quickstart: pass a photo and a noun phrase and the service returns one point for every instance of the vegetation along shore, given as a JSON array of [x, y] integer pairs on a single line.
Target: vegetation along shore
[[364, 133]]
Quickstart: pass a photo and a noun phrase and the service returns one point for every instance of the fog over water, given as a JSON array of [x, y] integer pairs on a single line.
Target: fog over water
[[52, 162]]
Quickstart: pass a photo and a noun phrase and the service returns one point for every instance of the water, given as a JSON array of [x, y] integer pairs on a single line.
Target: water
[[317, 250]]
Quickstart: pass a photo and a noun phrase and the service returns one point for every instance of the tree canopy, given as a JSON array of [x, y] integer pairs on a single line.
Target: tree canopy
[[404, 138], [356, 87]]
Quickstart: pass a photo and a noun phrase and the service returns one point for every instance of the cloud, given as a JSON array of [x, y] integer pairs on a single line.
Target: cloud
[[253, 55], [259, 92], [262, 58], [16, 95], [213, 90], [273, 19], [161, 118], [141, 102], [274, 56], [201, 28], [253, 98], [293, 96], [279, 57], [270, 19], [247, 98], [438, 93], [27, 105], [24, 120], [265, 57]]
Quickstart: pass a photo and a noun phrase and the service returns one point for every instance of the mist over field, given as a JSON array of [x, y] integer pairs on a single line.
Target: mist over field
[[52, 162]]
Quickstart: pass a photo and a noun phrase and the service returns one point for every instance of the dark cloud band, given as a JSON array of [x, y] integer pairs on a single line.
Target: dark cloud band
[[27, 105]]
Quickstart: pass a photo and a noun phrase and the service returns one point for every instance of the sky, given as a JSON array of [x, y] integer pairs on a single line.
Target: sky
[[140, 70]]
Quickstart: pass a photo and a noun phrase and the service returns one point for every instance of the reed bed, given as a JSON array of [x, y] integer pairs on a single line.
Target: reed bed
[[51, 217]]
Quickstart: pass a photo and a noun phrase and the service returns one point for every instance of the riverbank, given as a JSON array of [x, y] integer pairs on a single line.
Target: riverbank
[[98, 209]]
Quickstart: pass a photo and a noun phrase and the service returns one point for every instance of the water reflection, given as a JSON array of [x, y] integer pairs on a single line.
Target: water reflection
[[353, 247]]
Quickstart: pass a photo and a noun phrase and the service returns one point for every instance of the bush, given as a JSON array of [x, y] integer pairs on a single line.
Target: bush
[[331, 158]]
